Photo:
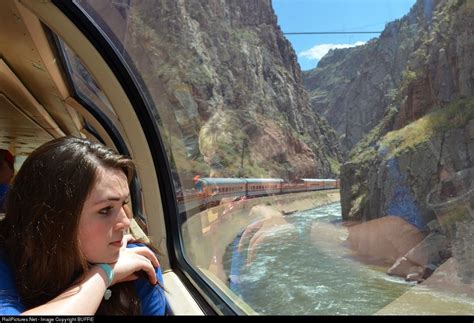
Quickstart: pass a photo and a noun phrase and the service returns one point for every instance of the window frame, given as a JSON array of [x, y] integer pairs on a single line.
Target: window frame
[[207, 295]]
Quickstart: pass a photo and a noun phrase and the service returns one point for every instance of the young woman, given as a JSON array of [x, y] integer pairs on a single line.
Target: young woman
[[63, 242]]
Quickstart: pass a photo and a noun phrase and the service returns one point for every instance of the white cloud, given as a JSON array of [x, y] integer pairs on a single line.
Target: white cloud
[[318, 51]]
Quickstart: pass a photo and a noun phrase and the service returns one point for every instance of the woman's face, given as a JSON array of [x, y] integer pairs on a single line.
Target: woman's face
[[103, 218]]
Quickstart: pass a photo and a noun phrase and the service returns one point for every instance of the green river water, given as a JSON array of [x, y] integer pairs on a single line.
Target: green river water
[[291, 275]]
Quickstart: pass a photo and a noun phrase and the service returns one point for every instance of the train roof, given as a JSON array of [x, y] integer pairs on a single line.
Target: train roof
[[263, 180], [218, 180], [317, 179]]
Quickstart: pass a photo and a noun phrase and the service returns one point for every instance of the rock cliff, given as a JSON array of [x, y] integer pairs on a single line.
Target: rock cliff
[[426, 133], [229, 90], [418, 62]]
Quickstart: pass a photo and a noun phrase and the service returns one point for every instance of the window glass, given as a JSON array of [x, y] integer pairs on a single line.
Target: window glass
[[322, 151]]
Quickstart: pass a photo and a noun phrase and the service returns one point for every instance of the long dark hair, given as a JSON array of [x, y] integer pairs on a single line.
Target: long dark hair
[[39, 234]]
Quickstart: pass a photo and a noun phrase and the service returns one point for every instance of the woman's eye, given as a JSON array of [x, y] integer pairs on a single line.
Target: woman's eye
[[125, 202], [105, 210]]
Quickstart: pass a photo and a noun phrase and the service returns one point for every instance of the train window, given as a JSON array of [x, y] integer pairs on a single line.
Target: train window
[[321, 151]]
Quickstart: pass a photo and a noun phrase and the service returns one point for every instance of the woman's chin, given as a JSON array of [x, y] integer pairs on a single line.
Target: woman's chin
[[114, 258], [108, 259]]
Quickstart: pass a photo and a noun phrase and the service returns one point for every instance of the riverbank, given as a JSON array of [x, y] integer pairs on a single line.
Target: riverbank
[[207, 234], [443, 293]]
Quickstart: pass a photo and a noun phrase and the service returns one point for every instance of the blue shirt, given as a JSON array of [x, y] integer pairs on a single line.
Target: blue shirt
[[152, 298], [3, 196]]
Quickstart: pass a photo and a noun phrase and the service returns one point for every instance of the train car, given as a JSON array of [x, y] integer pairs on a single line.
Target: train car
[[263, 186], [60, 74], [212, 190], [215, 189], [313, 184], [293, 187], [330, 184]]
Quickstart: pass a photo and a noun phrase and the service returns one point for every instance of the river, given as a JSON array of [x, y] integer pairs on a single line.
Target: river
[[296, 273]]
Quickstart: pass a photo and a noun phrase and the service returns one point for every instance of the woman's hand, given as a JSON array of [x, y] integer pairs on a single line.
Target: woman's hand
[[133, 260]]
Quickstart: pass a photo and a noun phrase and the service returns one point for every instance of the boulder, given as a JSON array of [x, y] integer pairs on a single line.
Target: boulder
[[422, 259], [383, 240], [429, 251]]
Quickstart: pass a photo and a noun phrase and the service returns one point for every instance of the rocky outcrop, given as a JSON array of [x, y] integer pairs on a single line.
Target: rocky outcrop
[[382, 241], [229, 90], [418, 62], [351, 87], [431, 125], [423, 259], [423, 138], [440, 68], [395, 174]]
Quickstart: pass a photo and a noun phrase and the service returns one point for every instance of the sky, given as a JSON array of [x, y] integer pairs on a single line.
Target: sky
[[334, 15]]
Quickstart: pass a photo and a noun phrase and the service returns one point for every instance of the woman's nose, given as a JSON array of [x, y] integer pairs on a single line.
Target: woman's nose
[[124, 221]]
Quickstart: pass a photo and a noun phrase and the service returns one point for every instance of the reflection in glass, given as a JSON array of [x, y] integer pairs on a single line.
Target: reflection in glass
[[373, 121], [453, 202]]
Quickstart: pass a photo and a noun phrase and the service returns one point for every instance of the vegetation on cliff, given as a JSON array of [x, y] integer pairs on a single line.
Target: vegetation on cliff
[[420, 61], [229, 90], [427, 130], [442, 139], [455, 115]]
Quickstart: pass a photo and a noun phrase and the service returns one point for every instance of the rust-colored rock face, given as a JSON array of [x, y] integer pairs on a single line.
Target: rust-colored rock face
[[419, 101]]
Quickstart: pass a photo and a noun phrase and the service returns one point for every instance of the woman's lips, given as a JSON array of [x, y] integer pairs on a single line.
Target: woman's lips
[[117, 243]]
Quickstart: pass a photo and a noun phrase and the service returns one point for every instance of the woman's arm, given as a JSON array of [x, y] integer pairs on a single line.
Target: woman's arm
[[81, 299], [84, 298]]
